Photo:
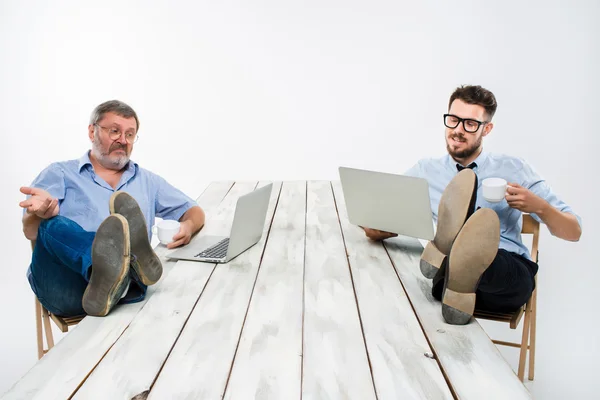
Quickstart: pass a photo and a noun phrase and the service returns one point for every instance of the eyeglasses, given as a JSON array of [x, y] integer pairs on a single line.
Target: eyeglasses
[[115, 133], [469, 125]]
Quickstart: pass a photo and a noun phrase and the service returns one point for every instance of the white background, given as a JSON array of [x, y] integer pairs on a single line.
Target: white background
[[292, 90]]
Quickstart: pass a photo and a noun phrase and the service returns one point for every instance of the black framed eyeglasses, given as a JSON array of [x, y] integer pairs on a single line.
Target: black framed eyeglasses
[[115, 133], [470, 125]]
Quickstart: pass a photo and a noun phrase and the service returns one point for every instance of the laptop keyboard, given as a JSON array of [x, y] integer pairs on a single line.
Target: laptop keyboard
[[219, 250]]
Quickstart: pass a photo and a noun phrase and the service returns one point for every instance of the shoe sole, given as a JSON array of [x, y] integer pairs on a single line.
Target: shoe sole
[[110, 266], [473, 251], [148, 266], [456, 201], [431, 260]]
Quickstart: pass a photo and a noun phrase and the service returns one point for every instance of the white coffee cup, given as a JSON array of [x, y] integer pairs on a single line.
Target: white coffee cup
[[494, 189], [165, 230]]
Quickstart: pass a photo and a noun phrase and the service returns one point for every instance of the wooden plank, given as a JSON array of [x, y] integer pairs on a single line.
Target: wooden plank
[[199, 364], [267, 363], [60, 372], [472, 363], [145, 345], [397, 346], [214, 194], [335, 362], [132, 364]]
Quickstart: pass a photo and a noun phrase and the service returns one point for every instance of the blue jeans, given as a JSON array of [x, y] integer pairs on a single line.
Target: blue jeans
[[61, 267]]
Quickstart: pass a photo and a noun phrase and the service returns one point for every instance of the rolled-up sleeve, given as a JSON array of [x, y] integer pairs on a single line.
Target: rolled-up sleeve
[[171, 203], [540, 187]]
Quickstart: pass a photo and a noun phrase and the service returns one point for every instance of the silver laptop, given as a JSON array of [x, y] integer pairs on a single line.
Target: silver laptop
[[246, 231], [388, 202]]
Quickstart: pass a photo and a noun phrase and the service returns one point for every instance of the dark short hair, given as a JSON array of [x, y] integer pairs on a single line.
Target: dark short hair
[[477, 95], [114, 106]]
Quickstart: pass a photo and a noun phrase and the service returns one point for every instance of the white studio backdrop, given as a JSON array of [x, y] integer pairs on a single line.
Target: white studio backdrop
[[282, 90]]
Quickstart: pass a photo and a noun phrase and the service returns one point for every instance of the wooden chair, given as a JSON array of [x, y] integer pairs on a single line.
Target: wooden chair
[[529, 310], [43, 317]]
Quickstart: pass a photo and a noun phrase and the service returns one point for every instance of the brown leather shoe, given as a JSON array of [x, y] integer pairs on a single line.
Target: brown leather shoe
[[148, 265], [110, 267], [456, 205], [472, 253]]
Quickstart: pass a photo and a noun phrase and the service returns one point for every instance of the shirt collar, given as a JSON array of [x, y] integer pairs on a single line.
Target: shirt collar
[[84, 160]]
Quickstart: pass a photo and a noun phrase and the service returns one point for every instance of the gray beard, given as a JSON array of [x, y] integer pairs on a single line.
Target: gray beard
[[115, 164]]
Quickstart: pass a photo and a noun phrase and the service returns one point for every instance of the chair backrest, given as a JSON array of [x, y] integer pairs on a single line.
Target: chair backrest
[[531, 226]]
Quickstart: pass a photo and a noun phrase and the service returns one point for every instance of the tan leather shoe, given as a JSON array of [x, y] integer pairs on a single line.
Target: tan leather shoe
[[456, 205], [473, 251]]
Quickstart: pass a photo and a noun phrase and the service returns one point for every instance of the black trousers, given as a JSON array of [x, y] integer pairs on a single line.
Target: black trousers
[[505, 286]]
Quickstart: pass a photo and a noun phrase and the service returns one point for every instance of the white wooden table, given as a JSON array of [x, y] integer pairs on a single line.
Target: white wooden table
[[313, 311]]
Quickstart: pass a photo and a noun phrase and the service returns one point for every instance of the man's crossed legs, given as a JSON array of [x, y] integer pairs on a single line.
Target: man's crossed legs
[[467, 268], [75, 272]]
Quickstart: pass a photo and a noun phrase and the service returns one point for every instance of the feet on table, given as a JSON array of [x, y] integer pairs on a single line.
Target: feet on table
[[465, 244], [121, 249], [456, 205], [110, 267], [472, 253], [147, 264]]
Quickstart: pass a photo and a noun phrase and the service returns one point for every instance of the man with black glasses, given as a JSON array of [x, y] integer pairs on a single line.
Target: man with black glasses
[[477, 257], [91, 221]]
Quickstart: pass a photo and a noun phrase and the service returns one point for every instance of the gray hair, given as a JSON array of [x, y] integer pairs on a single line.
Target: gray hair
[[114, 106]]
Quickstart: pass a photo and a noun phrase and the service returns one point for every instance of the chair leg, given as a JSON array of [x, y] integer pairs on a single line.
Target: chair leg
[[524, 341], [38, 328], [532, 339], [48, 328]]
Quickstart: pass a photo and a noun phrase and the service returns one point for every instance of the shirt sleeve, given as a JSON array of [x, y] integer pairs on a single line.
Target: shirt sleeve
[[52, 180], [171, 203], [414, 171], [540, 187]]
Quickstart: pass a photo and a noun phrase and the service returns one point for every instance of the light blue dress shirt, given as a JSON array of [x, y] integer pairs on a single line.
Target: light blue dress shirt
[[84, 196], [440, 171]]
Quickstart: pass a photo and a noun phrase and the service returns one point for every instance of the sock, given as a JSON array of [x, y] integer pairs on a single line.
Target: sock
[[126, 289]]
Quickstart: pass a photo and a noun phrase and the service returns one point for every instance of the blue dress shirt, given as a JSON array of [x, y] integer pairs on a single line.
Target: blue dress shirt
[[84, 196], [440, 171]]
